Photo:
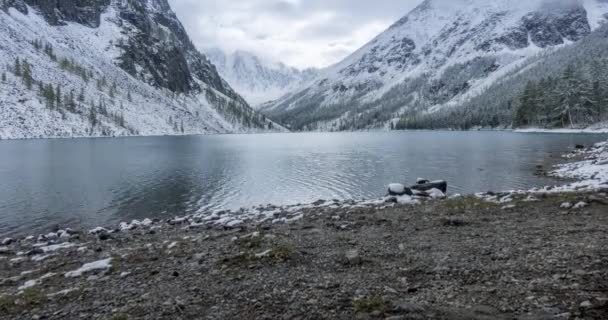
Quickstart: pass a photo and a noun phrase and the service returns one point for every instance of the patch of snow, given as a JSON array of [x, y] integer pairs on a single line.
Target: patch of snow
[[56, 247], [88, 267]]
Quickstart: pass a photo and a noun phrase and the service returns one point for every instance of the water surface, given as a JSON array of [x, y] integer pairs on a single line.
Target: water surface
[[90, 182]]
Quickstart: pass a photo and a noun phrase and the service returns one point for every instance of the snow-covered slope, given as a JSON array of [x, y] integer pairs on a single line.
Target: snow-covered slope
[[258, 81], [123, 67], [439, 55]]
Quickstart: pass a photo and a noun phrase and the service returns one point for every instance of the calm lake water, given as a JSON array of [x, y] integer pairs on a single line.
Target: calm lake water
[[91, 182]]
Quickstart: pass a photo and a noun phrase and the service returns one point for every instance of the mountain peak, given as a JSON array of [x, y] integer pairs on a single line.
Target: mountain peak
[[130, 62], [441, 52], [257, 79]]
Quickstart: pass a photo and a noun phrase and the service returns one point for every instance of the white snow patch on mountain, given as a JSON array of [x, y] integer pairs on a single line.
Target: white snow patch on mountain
[[258, 80]]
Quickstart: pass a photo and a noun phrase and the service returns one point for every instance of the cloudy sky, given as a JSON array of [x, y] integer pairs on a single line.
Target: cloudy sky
[[301, 33]]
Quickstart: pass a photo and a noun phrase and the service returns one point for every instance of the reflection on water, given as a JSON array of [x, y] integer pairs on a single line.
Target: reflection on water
[[89, 182]]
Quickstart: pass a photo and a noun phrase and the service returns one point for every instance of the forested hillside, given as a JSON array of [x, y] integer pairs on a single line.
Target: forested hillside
[[567, 87]]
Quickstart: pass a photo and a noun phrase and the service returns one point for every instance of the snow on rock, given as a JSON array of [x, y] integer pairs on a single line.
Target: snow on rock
[[592, 171], [396, 189], [27, 285], [436, 194], [580, 205], [88, 267], [55, 247], [32, 283], [98, 230]]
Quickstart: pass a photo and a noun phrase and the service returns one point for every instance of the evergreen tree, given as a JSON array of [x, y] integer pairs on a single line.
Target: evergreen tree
[[81, 95], [182, 127], [58, 96], [93, 116], [71, 103], [129, 96], [27, 75], [49, 94], [567, 93], [17, 69], [3, 76]]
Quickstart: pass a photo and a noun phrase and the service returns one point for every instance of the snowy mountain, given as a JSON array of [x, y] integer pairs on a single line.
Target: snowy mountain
[[257, 80], [438, 56], [108, 68]]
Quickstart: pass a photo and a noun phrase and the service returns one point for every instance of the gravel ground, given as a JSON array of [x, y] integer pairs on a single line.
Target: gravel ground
[[465, 258]]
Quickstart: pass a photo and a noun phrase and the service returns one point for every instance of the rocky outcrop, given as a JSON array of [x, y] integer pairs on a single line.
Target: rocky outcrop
[[58, 12]]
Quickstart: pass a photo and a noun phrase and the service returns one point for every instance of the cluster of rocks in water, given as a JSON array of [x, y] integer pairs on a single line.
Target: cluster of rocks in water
[[423, 188]]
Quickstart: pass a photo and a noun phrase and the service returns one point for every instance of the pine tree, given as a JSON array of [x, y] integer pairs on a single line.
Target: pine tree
[[525, 113], [70, 102], [58, 96], [27, 75], [49, 94], [81, 95], [182, 127], [129, 96], [93, 116], [3, 76], [17, 69], [567, 92]]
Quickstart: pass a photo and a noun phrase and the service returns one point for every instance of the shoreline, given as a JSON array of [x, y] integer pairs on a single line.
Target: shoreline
[[500, 257], [535, 254], [531, 130]]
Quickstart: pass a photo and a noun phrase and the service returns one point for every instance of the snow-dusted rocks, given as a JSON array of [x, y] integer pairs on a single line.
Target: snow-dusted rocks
[[104, 264], [439, 185], [592, 172], [397, 189]]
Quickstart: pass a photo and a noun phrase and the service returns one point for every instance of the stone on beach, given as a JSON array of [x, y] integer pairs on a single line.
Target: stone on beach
[[439, 185], [397, 189]]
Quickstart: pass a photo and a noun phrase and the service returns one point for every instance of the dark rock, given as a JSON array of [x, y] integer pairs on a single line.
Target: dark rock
[[35, 251], [439, 185], [104, 236], [57, 13], [579, 146], [422, 181]]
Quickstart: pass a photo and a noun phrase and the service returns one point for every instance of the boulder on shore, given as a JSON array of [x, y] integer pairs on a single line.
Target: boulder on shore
[[439, 185], [397, 189]]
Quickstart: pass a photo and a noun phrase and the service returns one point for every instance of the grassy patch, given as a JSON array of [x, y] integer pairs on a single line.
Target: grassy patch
[[254, 242], [282, 252], [370, 304], [32, 296], [453, 222], [6, 302], [459, 205]]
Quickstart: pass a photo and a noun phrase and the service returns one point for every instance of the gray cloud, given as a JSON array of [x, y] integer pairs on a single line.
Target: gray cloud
[[302, 33]]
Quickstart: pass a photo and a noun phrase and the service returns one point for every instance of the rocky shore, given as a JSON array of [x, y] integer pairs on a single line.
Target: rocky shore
[[464, 258], [539, 254]]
